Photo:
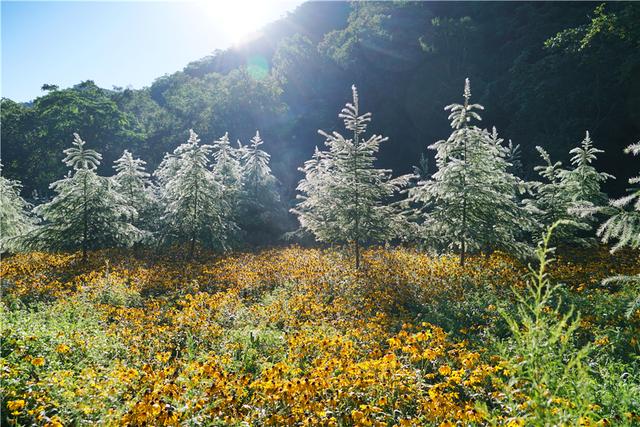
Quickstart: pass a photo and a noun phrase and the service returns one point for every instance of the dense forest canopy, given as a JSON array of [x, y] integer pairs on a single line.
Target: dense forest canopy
[[545, 71]]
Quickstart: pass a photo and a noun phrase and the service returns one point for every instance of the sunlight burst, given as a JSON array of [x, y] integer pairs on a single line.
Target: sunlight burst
[[239, 20]]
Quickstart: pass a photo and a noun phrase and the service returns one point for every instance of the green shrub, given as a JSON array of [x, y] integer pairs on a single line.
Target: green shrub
[[548, 380]]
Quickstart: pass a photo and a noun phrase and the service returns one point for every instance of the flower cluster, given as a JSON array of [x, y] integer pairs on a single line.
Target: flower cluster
[[283, 337]]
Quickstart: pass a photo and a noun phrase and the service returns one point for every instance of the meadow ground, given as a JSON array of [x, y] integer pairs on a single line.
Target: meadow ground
[[295, 336]]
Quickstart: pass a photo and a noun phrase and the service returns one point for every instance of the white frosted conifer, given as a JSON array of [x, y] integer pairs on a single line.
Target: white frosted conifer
[[569, 195], [227, 172], [262, 215], [226, 166], [514, 158], [583, 182], [623, 224], [255, 171], [470, 203], [191, 197], [87, 212], [343, 196], [15, 220], [551, 202], [134, 185], [622, 227]]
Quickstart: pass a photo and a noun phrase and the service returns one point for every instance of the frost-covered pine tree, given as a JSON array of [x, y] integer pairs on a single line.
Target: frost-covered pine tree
[[622, 228], [134, 185], [15, 220], [132, 179], [262, 215], [550, 202], [191, 197], [623, 224], [583, 182], [226, 166], [314, 209], [227, 171], [87, 212], [565, 194], [343, 196], [514, 158], [470, 202], [507, 229], [256, 172]]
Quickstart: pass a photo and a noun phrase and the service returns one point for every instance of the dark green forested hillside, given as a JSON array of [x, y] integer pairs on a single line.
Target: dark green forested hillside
[[546, 72]]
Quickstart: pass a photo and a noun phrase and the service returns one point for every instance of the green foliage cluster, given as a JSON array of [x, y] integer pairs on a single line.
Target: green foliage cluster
[[47, 330]]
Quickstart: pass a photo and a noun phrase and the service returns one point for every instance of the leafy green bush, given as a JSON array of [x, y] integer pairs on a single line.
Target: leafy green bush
[[552, 380]]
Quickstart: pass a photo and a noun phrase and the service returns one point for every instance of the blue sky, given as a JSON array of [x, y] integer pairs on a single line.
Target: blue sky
[[118, 43]]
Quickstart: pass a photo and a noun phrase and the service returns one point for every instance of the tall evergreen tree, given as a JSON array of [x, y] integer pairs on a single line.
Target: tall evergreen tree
[[470, 202], [566, 193], [262, 215], [550, 202], [508, 228], [226, 166], [86, 212], [15, 221], [314, 209], [193, 207], [583, 182], [134, 185], [227, 172], [344, 196], [623, 224]]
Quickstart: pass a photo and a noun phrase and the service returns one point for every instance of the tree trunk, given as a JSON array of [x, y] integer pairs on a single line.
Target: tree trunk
[[85, 226], [463, 243], [194, 232], [356, 196], [192, 246]]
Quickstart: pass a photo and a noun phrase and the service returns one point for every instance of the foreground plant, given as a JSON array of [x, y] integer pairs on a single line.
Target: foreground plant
[[548, 382]]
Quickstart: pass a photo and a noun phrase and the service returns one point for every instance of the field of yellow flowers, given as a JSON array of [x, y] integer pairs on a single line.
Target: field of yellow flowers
[[296, 337]]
